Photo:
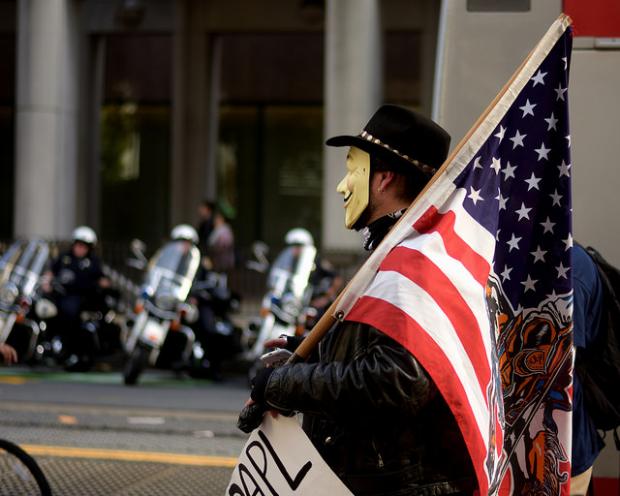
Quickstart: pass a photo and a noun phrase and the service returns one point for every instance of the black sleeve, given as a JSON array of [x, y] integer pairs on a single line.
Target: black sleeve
[[55, 265], [97, 270], [384, 377]]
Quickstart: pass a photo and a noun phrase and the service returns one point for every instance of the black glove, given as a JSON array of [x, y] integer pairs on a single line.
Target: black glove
[[259, 383], [251, 417], [292, 342]]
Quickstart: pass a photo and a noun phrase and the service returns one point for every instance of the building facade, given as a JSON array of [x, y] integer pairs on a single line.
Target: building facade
[[125, 114]]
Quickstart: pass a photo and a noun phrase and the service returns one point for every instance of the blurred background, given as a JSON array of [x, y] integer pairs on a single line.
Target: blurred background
[[125, 115]]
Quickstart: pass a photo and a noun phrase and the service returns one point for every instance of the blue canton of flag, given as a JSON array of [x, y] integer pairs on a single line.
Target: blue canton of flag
[[520, 187]]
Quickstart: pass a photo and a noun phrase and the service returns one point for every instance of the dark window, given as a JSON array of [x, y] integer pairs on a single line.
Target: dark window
[[498, 5], [136, 137], [272, 68], [270, 140]]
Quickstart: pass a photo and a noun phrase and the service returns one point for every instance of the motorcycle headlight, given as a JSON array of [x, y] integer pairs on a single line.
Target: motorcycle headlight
[[45, 309], [166, 302], [8, 294], [291, 307], [190, 313]]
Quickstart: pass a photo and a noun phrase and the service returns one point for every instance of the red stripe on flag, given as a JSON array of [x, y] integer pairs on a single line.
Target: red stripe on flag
[[395, 323], [499, 433], [422, 271], [433, 221]]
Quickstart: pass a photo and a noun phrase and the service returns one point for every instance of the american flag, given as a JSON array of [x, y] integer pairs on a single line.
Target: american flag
[[475, 280]]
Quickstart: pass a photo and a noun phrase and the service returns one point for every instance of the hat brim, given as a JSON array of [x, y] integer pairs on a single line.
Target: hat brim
[[369, 147]]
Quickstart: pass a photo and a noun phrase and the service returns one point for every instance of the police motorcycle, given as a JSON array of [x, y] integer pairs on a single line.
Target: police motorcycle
[[218, 338], [289, 291], [158, 334], [23, 309]]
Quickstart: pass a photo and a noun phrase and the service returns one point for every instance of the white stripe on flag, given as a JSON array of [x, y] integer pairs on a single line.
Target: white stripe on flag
[[432, 246], [398, 290]]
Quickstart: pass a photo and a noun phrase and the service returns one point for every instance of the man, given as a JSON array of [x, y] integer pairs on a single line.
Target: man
[[78, 278], [587, 310], [370, 409], [205, 225]]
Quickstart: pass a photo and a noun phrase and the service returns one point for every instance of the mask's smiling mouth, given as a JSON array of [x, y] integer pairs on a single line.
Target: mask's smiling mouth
[[346, 198]]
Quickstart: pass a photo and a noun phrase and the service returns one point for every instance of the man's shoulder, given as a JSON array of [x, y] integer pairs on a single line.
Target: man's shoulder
[[584, 268]]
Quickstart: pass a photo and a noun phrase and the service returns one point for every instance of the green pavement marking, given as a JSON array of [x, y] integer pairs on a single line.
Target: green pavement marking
[[148, 380]]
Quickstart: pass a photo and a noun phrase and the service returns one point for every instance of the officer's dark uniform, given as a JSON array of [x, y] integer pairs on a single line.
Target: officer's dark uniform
[[79, 281]]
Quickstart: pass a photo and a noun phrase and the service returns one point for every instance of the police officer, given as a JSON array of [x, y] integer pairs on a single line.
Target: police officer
[[78, 278]]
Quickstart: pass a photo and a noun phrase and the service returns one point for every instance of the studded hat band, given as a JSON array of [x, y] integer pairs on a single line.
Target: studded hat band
[[423, 167]]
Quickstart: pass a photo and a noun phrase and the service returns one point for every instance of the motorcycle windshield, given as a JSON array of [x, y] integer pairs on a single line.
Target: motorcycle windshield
[[171, 271], [291, 270], [22, 265]]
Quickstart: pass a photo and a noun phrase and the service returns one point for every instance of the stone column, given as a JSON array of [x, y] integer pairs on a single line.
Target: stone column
[[46, 118], [353, 91], [192, 173]]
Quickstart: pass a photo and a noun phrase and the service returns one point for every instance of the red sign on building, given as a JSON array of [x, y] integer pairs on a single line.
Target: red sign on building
[[597, 18]]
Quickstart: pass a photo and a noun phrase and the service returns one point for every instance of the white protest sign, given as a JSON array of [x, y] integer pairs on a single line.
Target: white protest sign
[[278, 460]]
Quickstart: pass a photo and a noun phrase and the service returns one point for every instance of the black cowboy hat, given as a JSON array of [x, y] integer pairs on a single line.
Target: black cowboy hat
[[401, 136]]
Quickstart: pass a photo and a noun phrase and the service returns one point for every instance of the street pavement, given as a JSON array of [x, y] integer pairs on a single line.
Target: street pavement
[[92, 435]]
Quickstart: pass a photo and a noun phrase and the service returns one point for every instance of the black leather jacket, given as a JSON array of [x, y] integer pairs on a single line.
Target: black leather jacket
[[375, 416]]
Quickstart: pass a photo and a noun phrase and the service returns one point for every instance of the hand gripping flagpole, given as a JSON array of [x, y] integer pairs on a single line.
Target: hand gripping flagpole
[[364, 275]]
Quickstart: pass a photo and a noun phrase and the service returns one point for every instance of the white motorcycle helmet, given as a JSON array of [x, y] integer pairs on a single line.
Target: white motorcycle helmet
[[85, 235], [299, 236], [185, 232]]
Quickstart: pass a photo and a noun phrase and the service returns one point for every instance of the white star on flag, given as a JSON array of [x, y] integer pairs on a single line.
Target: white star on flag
[[477, 164], [529, 283], [568, 241], [543, 152], [552, 121], [513, 243], [475, 195], [523, 212], [500, 133], [556, 197], [517, 139], [528, 108], [506, 273], [532, 182], [562, 271], [548, 225], [539, 254], [563, 167], [509, 171], [502, 201], [496, 165], [539, 78], [560, 92]]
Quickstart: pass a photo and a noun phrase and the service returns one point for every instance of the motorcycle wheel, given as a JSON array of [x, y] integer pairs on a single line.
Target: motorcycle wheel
[[135, 365]]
